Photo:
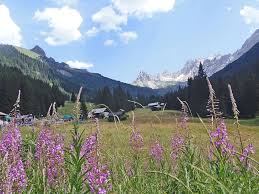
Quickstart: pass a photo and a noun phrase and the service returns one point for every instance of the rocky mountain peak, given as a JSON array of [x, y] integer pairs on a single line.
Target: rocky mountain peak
[[211, 64], [37, 49]]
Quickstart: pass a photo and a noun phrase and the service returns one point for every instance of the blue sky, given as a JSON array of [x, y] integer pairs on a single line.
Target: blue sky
[[118, 38]]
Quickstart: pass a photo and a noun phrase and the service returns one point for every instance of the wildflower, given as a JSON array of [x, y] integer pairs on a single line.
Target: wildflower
[[136, 141], [219, 138], [220, 135], [97, 175], [236, 114], [49, 110], [247, 150], [10, 149], [128, 168], [16, 106], [156, 151], [89, 150], [213, 104], [184, 114], [176, 145], [50, 153], [98, 179], [76, 108], [43, 141], [234, 105]]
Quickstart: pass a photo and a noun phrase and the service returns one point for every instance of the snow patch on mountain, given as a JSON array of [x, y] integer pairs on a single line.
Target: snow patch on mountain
[[211, 65]]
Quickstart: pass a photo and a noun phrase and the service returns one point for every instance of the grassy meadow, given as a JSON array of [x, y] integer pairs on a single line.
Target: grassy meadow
[[150, 152], [157, 124]]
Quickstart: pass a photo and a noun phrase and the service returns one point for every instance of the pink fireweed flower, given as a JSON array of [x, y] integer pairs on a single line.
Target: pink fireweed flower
[[247, 151], [176, 144], [183, 121], [17, 176], [128, 167], [220, 135], [156, 151], [97, 175], [219, 138], [50, 153], [184, 114], [43, 141], [10, 149], [98, 178], [136, 141], [90, 145]]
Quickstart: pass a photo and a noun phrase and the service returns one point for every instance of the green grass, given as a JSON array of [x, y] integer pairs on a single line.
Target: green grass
[[27, 52], [254, 122], [69, 106], [191, 172], [152, 124]]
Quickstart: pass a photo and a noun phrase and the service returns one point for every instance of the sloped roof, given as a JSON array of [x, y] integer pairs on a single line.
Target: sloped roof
[[2, 114], [99, 110], [154, 104]]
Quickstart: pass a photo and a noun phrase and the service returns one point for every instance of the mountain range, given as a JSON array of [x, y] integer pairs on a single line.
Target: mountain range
[[35, 64], [211, 65]]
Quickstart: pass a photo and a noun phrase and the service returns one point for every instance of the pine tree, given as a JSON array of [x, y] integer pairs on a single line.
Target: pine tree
[[73, 97], [201, 72], [84, 111]]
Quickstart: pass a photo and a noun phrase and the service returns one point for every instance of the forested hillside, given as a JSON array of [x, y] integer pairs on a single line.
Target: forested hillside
[[36, 95], [39, 75], [242, 74]]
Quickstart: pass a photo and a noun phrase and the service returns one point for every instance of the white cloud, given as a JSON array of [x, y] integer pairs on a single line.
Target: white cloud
[[10, 33], [66, 2], [64, 24], [229, 9], [109, 42], [79, 64], [92, 32], [143, 8], [250, 14], [128, 36], [109, 20]]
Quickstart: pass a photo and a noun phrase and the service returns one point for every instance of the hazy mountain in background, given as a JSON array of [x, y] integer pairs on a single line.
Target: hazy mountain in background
[[211, 65], [35, 64]]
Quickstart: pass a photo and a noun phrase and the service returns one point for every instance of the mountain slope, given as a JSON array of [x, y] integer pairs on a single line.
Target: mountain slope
[[243, 76], [247, 64], [35, 64], [36, 95], [211, 65]]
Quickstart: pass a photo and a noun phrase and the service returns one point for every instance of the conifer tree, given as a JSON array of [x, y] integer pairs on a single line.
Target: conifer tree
[[73, 97]]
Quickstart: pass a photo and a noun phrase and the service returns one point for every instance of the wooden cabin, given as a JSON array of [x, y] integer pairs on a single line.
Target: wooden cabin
[[121, 115], [156, 106], [99, 113]]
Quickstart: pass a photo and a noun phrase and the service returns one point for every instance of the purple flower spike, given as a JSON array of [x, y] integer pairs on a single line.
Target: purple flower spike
[[50, 152], [176, 145], [247, 151], [10, 150], [157, 151], [136, 141], [220, 139], [98, 175]]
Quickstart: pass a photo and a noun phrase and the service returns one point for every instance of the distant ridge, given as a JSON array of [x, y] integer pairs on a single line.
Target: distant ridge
[[39, 51], [211, 65]]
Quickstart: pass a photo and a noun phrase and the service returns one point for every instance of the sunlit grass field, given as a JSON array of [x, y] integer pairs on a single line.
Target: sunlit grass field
[[150, 152], [153, 125]]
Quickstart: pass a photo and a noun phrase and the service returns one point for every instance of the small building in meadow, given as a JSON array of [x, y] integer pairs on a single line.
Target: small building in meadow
[[99, 113], [2, 116], [120, 115], [68, 118], [156, 106], [4, 119], [27, 120]]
